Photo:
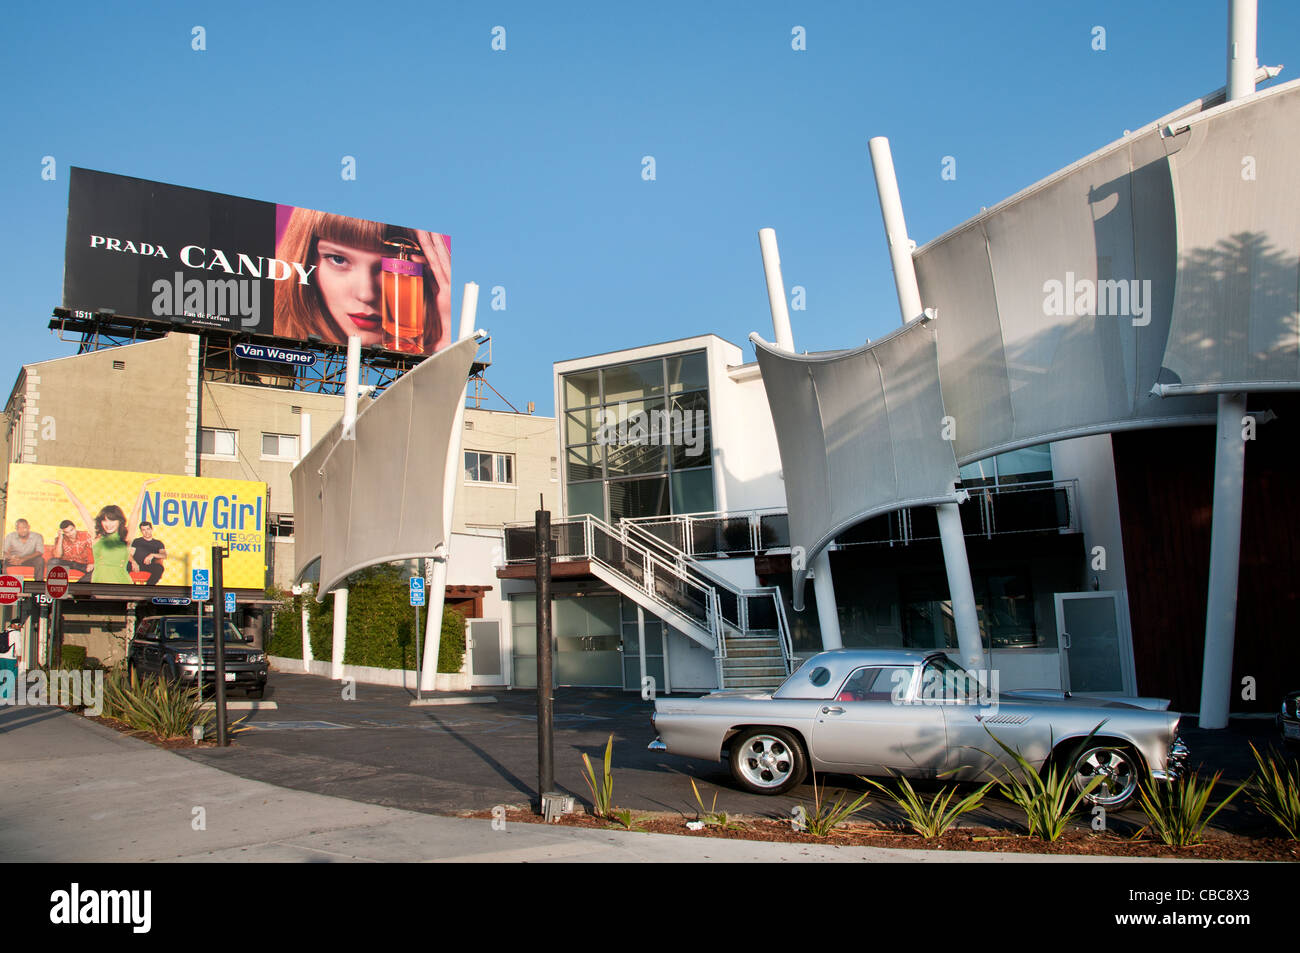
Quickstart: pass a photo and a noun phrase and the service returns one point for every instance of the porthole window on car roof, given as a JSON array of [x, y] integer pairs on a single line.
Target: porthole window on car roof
[[819, 676]]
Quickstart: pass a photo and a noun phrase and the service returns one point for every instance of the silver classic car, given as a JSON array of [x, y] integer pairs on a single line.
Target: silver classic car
[[920, 715]]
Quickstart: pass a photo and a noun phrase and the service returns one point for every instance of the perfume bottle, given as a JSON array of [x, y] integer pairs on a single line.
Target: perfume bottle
[[403, 291]]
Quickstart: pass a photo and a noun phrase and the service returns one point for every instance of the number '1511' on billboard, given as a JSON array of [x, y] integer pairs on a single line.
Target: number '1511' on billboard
[[127, 528]]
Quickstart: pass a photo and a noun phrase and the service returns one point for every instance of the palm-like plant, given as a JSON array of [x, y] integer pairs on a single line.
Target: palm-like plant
[[1044, 797], [1275, 790], [602, 788], [933, 818], [1176, 810]]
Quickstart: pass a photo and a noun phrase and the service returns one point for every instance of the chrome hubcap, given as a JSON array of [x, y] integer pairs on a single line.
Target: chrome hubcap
[[766, 761], [1117, 773]]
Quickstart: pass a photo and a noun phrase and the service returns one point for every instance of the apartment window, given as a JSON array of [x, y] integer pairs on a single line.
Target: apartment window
[[280, 446], [482, 467], [638, 438], [219, 443], [280, 525]]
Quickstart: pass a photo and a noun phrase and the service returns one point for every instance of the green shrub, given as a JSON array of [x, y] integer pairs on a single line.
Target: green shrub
[[451, 650], [381, 625], [602, 787], [822, 817], [286, 626], [153, 704], [73, 658]]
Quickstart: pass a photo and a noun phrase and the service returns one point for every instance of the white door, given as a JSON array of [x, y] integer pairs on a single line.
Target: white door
[[486, 654], [1096, 650]]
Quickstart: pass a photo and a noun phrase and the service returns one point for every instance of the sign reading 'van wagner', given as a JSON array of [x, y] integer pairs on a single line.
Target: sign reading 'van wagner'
[[147, 250], [126, 528]]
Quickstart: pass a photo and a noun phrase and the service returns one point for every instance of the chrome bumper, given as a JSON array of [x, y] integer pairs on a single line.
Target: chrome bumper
[[656, 745], [1176, 766]]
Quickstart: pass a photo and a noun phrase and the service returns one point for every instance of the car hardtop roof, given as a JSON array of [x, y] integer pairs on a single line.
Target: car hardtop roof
[[873, 656]]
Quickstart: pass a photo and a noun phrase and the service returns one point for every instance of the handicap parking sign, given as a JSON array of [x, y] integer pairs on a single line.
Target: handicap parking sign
[[199, 585], [417, 590], [230, 602]]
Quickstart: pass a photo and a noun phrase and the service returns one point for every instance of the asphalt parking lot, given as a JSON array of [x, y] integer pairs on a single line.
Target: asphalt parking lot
[[448, 759]]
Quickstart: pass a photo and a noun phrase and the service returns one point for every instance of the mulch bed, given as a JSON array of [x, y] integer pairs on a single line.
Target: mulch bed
[[1217, 845], [122, 727]]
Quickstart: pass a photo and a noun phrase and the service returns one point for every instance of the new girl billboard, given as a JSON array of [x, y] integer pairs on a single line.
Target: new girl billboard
[[144, 249], [125, 528]]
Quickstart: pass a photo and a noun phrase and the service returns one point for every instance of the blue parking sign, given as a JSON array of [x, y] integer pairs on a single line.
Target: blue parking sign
[[199, 585], [417, 590], [230, 602]]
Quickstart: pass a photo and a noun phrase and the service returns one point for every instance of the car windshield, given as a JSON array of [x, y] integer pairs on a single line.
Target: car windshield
[[945, 679], [182, 630]]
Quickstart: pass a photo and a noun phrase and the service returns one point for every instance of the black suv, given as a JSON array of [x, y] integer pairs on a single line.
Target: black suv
[[167, 645]]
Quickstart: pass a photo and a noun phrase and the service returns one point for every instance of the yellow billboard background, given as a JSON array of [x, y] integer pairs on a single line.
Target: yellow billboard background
[[190, 515]]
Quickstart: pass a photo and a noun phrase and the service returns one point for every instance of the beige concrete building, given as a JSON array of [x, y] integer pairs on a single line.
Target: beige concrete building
[[147, 407]]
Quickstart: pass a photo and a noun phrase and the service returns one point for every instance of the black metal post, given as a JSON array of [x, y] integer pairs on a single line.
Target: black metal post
[[218, 642], [545, 698]]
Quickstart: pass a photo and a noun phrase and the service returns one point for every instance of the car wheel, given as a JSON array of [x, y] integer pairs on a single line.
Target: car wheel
[[1119, 770], [768, 760]]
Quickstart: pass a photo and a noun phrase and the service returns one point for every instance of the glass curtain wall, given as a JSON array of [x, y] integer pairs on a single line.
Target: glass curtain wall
[[637, 438]]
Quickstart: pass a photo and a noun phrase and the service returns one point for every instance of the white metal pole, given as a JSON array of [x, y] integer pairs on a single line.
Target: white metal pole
[[452, 475], [776, 289], [828, 615], [953, 541], [304, 444], [640, 640], [1230, 453], [351, 387]]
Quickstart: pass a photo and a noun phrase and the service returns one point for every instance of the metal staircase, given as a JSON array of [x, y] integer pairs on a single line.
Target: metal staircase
[[746, 629]]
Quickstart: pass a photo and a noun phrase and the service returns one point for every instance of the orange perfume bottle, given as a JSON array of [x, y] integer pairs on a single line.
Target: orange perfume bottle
[[403, 290]]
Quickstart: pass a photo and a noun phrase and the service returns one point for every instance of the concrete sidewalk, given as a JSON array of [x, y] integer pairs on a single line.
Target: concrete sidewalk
[[76, 791]]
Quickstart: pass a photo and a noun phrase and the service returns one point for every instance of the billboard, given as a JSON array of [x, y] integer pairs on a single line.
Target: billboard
[[132, 529], [144, 249]]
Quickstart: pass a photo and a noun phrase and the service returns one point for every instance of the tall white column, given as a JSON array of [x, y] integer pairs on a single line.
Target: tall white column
[[1230, 453], [828, 615], [305, 444], [955, 560], [436, 584], [351, 391]]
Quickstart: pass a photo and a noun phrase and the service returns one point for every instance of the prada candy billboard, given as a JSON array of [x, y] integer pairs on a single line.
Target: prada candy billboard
[[148, 250]]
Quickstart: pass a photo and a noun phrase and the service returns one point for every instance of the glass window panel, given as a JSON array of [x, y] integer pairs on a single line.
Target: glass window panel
[[584, 463], [586, 498], [207, 441], [602, 615], [270, 445], [582, 389], [633, 381], [693, 491], [691, 408], [654, 667], [523, 610], [580, 426], [688, 372], [692, 448], [631, 498], [1020, 466], [627, 459], [505, 468]]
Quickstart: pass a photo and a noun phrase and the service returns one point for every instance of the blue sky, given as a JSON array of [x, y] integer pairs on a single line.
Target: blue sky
[[531, 158]]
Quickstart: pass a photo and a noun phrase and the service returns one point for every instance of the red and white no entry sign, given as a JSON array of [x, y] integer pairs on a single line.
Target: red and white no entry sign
[[11, 589], [56, 583]]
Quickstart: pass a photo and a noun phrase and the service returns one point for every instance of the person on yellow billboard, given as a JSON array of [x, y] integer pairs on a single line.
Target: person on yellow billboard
[[112, 533]]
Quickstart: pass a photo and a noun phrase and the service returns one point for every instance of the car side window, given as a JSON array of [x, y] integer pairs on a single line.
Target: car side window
[[877, 683]]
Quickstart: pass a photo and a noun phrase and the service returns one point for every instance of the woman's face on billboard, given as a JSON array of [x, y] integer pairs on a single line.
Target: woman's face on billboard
[[349, 281]]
